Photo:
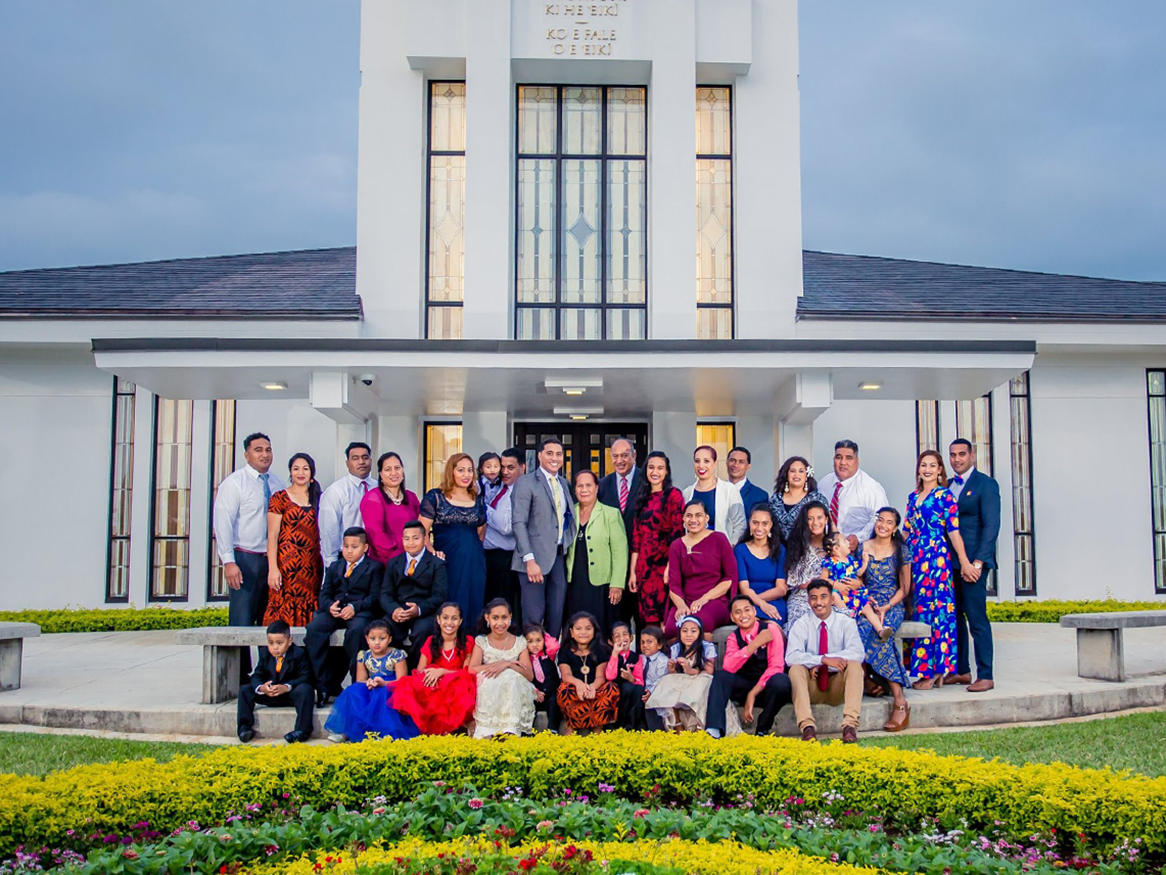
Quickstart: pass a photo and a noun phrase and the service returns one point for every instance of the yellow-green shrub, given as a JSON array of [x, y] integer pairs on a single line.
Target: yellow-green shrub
[[1032, 798], [117, 619], [699, 858], [1052, 610]]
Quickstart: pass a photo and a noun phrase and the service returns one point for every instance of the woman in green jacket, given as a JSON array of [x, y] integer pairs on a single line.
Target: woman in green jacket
[[597, 560]]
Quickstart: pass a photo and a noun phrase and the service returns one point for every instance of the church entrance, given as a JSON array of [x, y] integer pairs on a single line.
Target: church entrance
[[584, 443]]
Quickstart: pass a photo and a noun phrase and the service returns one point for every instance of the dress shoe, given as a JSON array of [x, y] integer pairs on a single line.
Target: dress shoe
[[849, 735], [295, 737], [246, 734], [900, 719], [958, 679], [809, 734], [982, 686]]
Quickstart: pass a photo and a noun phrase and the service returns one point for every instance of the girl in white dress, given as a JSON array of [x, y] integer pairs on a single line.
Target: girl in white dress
[[502, 665]]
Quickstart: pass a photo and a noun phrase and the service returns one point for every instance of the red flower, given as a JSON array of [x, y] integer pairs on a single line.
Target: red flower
[[527, 864]]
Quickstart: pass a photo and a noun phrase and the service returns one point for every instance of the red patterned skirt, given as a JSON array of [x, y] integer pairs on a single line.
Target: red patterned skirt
[[589, 713]]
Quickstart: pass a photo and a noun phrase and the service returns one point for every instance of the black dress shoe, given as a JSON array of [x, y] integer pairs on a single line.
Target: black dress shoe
[[246, 734], [295, 737], [322, 698]]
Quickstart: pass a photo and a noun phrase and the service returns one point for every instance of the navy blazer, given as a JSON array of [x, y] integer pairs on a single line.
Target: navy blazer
[[295, 668], [979, 509], [428, 588], [609, 495], [362, 590], [751, 496]]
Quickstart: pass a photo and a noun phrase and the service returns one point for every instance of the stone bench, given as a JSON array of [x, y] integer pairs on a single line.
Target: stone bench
[[12, 637], [1100, 647], [908, 630], [222, 655]]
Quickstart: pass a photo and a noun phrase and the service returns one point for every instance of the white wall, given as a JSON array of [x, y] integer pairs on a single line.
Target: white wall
[[885, 434]]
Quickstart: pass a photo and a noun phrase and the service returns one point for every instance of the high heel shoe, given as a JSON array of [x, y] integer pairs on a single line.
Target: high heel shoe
[[900, 718], [928, 683]]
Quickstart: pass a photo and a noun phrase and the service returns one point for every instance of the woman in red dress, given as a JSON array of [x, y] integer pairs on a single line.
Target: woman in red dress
[[659, 512], [440, 694], [293, 547]]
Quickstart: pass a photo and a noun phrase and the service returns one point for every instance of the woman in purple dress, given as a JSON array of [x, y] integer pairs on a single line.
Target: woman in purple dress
[[702, 574]]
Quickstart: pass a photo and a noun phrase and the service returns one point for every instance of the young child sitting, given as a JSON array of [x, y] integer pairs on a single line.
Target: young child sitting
[[365, 708], [619, 669], [681, 696], [283, 678], [440, 694], [502, 664], [641, 678], [546, 674], [587, 698], [839, 566]]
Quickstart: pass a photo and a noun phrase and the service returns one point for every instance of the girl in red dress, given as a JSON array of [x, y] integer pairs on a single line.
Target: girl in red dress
[[658, 522], [441, 692], [293, 547]]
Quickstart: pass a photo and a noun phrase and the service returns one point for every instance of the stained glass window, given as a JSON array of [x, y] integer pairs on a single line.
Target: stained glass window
[[170, 567], [222, 464], [1156, 390], [446, 219], [117, 584], [714, 213], [1022, 523]]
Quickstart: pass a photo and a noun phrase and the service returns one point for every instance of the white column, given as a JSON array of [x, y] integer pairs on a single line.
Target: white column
[[672, 175], [489, 173]]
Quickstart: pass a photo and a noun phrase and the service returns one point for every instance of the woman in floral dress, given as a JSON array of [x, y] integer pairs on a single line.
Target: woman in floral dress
[[659, 514], [932, 522]]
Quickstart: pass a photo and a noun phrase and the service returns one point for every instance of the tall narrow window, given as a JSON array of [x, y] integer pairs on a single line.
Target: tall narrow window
[[442, 440], [445, 266], [1022, 523], [1156, 381], [121, 488], [170, 566], [722, 437], [973, 422], [926, 426], [582, 213], [714, 214], [222, 464]]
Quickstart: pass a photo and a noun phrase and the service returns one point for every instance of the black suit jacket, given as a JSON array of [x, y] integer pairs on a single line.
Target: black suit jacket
[[609, 495], [295, 669], [427, 587], [979, 508], [362, 590]]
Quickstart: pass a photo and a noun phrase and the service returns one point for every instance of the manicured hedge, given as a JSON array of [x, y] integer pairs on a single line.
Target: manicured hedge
[[118, 619], [1104, 805], [1051, 611]]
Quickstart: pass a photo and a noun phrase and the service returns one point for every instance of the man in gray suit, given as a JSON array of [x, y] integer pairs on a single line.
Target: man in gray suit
[[543, 520]]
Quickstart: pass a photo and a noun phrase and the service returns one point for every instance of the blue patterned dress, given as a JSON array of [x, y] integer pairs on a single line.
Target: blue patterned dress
[[929, 520], [882, 582], [360, 712]]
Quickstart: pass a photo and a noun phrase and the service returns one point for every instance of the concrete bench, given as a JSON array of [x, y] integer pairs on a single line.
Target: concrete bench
[[222, 655], [12, 637], [1100, 648], [908, 630]]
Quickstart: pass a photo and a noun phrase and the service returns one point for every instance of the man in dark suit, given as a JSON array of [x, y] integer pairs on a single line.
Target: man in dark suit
[[978, 496], [738, 463], [618, 489], [282, 678], [349, 600], [544, 528], [415, 587]]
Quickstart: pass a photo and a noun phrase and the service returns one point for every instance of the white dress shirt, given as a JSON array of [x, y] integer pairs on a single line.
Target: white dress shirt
[[240, 517], [842, 640], [858, 502], [500, 522], [954, 488], [340, 510], [556, 488]]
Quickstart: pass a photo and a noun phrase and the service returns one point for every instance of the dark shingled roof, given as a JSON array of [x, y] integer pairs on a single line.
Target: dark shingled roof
[[310, 284], [866, 287]]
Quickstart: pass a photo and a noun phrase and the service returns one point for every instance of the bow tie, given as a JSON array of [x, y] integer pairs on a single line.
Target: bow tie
[[957, 480]]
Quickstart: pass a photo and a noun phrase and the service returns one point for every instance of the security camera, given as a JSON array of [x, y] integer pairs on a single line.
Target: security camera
[[367, 379]]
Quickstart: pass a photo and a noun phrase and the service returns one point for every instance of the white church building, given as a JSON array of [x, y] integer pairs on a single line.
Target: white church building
[[580, 219]]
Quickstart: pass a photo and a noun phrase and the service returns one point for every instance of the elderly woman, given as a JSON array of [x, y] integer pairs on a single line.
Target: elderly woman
[[721, 499], [793, 489], [597, 560], [702, 574], [888, 582]]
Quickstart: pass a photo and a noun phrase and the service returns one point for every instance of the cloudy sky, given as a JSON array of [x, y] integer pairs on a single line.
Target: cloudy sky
[[1012, 133]]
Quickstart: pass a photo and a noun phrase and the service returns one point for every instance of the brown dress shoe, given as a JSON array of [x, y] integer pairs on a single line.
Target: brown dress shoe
[[900, 719], [849, 735], [982, 686], [959, 679], [809, 734]]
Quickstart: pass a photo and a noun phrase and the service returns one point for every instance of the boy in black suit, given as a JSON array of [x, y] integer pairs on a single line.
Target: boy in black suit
[[415, 587], [349, 600], [283, 679]]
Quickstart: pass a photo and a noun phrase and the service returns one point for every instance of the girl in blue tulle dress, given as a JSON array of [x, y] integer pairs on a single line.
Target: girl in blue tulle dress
[[365, 708]]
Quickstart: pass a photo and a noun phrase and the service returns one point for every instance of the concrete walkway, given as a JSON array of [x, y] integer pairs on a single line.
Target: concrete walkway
[[143, 683]]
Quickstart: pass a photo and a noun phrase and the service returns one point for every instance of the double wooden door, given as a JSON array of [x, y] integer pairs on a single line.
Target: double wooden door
[[584, 443]]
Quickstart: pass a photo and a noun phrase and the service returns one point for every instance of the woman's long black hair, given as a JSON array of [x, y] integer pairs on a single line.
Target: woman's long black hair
[[797, 545], [314, 490], [460, 636], [783, 477], [774, 541], [645, 492]]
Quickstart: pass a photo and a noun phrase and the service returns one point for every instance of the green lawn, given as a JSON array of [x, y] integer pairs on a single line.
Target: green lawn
[[1136, 742], [31, 753]]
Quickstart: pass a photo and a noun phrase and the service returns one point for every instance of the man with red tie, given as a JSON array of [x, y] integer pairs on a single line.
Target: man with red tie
[[855, 497], [618, 489], [340, 502], [501, 579], [824, 655]]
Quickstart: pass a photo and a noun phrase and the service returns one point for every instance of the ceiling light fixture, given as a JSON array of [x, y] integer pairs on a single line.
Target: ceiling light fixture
[[579, 391], [274, 385], [870, 386], [578, 417]]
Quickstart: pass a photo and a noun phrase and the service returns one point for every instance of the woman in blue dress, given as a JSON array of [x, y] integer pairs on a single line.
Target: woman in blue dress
[[932, 522], [887, 583], [454, 516], [365, 708], [761, 565]]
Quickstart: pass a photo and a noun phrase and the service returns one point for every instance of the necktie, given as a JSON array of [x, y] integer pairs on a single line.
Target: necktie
[[557, 491], [957, 480], [348, 573], [536, 665], [278, 664], [834, 503], [266, 489], [411, 568], [823, 649], [623, 494], [498, 497], [363, 487]]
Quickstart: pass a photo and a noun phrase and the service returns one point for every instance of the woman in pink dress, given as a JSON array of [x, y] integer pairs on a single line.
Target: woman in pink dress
[[702, 574], [386, 509]]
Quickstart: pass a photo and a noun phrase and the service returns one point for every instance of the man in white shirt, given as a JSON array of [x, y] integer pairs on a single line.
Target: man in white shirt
[[855, 497], [824, 654], [340, 503], [501, 579], [240, 526]]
